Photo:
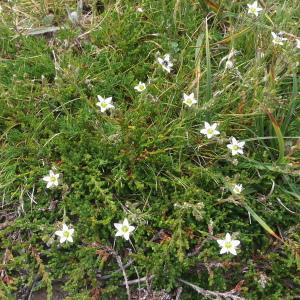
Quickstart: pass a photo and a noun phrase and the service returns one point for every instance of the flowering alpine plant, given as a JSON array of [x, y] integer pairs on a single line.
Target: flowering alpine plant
[[235, 146], [124, 229], [254, 8], [210, 130], [166, 63], [51, 179], [140, 87], [105, 103], [228, 245], [189, 100], [65, 234]]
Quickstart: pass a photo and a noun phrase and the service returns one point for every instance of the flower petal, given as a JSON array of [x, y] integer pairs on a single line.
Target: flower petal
[[235, 243], [118, 226], [221, 243], [228, 237], [125, 222], [131, 228], [223, 250], [59, 233], [232, 251], [126, 236]]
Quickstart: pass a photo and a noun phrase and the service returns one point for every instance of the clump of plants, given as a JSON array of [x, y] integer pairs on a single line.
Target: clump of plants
[[149, 150]]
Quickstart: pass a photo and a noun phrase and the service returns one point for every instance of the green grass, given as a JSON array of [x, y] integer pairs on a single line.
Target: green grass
[[146, 160]]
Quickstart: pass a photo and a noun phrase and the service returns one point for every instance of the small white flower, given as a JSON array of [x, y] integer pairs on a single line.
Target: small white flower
[[277, 39], [73, 16], [235, 146], [124, 229], [235, 161], [229, 64], [1, 9], [228, 245], [139, 9], [237, 189], [52, 179], [254, 8], [105, 103], [140, 87], [298, 44], [165, 62], [210, 130], [189, 100], [66, 234]]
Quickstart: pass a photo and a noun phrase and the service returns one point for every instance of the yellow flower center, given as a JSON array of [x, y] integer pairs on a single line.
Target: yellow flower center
[[66, 234], [235, 147], [125, 228], [253, 10], [228, 245], [141, 87], [103, 104], [53, 179], [210, 131]]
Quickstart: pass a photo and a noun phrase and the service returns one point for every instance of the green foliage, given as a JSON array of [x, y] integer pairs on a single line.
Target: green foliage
[[146, 160]]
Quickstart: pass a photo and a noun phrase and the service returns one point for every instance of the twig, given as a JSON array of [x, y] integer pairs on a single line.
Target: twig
[[178, 294], [211, 294], [105, 277], [138, 280], [119, 261]]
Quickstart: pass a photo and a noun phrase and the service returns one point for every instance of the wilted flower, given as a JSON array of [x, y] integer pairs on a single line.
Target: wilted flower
[[66, 234], [277, 39], [189, 100], [228, 245], [140, 87], [235, 146], [52, 179], [254, 8], [124, 229], [210, 130], [105, 103], [166, 63], [237, 189]]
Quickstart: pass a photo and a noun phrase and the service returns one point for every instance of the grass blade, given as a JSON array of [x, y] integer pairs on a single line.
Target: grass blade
[[279, 136], [262, 222], [208, 64]]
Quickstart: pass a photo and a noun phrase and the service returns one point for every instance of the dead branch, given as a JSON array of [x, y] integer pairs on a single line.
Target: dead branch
[[119, 261], [212, 294]]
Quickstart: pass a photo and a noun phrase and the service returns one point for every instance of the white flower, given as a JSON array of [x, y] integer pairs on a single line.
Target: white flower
[[105, 103], [139, 9], [189, 100], [165, 62], [235, 146], [254, 8], [73, 16], [237, 189], [66, 234], [140, 87], [277, 39], [52, 179], [124, 229], [229, 64], [298, 44], [228, 245], [210, 130], [1, 9]]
